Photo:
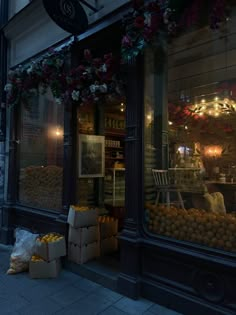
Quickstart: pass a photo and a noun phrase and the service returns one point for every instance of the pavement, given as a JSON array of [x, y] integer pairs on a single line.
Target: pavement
[[69, 294]]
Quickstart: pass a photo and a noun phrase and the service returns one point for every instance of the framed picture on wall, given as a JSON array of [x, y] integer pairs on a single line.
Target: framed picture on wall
[[91, 156]]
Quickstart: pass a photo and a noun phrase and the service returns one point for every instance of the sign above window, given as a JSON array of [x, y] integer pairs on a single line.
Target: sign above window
[[68, 14]]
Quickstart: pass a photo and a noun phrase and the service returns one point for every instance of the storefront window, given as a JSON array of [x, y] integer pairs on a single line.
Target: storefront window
[[41, 152], [192, 197]]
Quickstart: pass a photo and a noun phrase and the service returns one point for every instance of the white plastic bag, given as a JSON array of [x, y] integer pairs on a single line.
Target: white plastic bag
[[22, 251]]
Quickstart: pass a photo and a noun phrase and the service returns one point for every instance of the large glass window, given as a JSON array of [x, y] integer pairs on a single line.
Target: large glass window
[[41, 152], [190, 189]]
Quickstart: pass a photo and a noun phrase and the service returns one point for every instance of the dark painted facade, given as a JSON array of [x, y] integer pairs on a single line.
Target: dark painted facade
[[181, 276]]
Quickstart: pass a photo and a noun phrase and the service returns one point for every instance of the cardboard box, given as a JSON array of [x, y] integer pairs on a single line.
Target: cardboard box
[[44, 269], [108, 229], [52, 250], [82, 218], [82, 254], [84, 235], [108, 245]]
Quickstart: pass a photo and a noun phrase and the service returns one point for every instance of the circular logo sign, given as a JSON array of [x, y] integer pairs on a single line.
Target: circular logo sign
[[68, 14]]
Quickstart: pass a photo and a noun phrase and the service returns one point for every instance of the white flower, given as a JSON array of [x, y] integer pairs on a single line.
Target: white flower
[[92, 88], [75, 95], [8, 87], [147, 20], [18, 70], [58, 100], [30, 69], [88, 70], [103, 88], [103, 68], [166, 15]]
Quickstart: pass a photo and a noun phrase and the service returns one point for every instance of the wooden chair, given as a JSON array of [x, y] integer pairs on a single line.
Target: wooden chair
[[163, 185]]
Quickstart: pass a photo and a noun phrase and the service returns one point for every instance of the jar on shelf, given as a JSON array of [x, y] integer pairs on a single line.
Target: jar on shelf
[[222, 178]]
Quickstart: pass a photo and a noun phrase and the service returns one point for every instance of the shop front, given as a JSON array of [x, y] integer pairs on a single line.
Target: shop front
[[149, 142], [181, 216]]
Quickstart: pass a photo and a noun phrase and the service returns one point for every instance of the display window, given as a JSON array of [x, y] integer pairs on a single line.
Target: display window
[[189, 135], [100, 147], [40, 156]]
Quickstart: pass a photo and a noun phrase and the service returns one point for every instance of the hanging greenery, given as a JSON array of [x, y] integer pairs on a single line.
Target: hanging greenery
[[148, 19], [97, 78], [92, 80]]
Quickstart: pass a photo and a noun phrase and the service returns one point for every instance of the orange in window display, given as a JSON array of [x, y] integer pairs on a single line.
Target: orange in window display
[[195, 225]]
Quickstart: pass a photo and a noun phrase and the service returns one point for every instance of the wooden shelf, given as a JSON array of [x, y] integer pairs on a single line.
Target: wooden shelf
[[113, 158], [114, 132], [117, 148]]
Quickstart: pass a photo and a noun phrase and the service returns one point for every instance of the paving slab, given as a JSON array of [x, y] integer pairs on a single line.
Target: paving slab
[[87, 285], [41, 307], [133, 307], [113, 311], [92, 304], [68, 294], [161, 310]]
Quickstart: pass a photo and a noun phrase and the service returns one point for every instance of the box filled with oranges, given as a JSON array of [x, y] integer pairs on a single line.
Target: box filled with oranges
[[80, 216], [50, 246], [40, 269], [108, 226]]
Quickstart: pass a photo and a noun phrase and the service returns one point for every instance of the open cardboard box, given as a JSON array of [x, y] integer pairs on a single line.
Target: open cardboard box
[[82, 218], [44, 269], [52, 250], [108, 229], [83, 235], [82, 254]]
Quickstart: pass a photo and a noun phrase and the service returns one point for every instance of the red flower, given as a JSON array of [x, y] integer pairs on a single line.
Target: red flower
[[81, 68], [139, 22]]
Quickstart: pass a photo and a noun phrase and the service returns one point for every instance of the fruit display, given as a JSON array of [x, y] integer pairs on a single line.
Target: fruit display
[[106, 219], [36, 258], [194, 225], [80, 208], [41, 186], [49, 238]]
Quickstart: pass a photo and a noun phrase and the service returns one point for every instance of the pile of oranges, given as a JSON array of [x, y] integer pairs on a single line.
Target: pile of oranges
[[50, 237], [195, 225], [36, 258], [106, 219], [80, 208]]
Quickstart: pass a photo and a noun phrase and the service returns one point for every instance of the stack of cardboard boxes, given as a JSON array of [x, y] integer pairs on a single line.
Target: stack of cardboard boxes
[[108, 228], [83, 239], [46, 262]]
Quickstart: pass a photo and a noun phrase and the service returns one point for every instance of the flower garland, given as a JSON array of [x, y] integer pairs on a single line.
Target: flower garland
[[143, 24], [150, 18], [88, 83], [187, 117]]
